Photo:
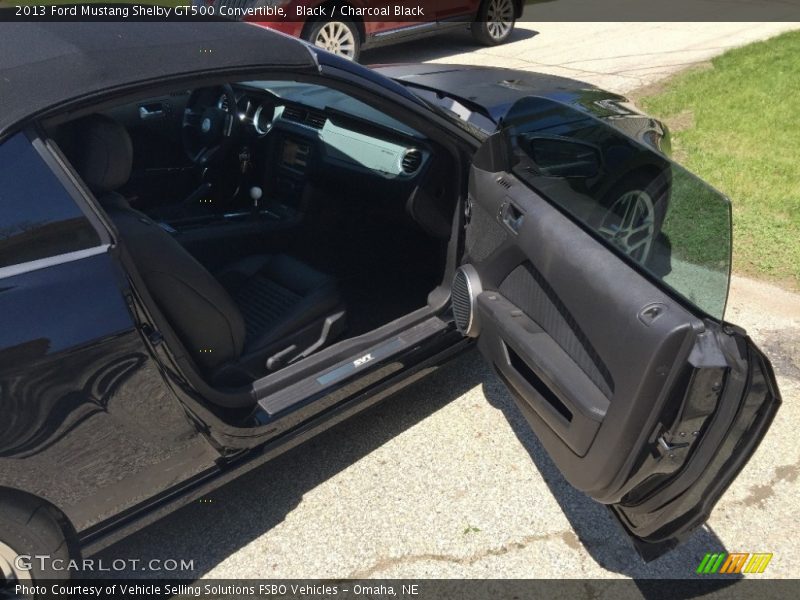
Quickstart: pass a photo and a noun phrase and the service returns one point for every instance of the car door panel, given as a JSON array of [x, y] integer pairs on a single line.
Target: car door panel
[[644, 401], [548, 379], [449, 9], [555, 277]]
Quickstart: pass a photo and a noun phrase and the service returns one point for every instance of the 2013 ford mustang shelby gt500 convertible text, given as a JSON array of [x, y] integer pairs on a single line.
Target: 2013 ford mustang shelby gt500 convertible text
[[206, 258]]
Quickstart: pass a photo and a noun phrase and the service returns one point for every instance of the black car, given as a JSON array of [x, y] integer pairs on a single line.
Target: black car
[[217, 241]]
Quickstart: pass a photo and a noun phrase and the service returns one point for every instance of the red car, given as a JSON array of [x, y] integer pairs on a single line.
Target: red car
[[345, 27]]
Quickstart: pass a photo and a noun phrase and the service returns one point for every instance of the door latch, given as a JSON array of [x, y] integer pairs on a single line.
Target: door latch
[[667, 447]]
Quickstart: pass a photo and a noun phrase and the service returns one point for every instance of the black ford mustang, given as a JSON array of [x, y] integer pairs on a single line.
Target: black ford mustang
[[217, 241]]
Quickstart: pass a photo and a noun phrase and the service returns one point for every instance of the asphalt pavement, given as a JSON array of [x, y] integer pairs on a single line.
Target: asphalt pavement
[[445, 479]]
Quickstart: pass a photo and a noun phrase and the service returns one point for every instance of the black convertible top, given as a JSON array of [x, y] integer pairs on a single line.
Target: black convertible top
[[43, 65]]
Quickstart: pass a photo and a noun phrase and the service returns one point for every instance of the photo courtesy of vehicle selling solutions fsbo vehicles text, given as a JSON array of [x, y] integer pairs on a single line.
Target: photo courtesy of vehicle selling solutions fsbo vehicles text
[[371, 299]]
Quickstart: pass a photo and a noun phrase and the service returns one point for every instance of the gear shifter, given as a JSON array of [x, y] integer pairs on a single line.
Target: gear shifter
[[255, 195]]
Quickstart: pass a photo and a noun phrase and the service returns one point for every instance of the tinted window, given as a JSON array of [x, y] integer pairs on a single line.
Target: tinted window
[[645, 207], [38, 218]]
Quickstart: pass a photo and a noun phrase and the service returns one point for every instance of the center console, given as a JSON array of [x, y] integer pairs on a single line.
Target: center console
[[294, 157]]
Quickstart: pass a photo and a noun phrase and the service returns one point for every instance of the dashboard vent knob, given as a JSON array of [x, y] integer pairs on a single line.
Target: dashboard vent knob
[[412, 159]]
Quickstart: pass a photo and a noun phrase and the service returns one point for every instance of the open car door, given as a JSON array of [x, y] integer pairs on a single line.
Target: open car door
[[595, 277]]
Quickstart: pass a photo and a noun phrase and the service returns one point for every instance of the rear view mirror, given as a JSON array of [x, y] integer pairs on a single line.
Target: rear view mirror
[[556, 156]]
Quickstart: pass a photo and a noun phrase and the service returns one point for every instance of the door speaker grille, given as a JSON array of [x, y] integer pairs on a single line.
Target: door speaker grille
[[465, 290]]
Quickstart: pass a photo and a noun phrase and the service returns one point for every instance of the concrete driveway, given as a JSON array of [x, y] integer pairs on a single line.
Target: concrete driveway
[[445, 479], [616, 56]]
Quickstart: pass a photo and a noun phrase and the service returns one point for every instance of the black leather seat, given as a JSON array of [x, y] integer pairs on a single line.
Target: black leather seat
[[262, 309], [277, 295]]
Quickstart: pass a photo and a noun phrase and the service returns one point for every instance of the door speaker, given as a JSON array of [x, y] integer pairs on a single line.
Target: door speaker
[[465, 291]]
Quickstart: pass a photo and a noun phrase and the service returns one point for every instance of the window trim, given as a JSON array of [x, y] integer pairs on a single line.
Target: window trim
[[51, 261], [57, 163]]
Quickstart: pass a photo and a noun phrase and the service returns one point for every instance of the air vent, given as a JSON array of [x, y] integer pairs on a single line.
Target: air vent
[[412, 159], [504, 182], [315, 120], [464, 293], [304, 117], [291, 113]]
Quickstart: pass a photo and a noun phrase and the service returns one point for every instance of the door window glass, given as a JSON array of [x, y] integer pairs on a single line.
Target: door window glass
[[642, 205]]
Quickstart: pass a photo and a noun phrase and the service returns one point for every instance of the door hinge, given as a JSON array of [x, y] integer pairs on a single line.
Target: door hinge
[[153, 335]]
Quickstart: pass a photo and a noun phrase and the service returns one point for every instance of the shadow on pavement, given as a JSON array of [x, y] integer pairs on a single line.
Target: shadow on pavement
[[246, 508], [434, 47]]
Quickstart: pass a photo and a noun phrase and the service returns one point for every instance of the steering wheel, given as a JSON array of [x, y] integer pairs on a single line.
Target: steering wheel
[[208, 124]]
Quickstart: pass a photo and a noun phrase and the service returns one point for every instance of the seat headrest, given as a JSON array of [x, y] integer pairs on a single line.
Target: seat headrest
[[102, 153], [114, 201]]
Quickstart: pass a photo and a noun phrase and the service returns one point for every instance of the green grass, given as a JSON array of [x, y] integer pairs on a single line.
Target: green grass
[[696, 220], [737, 125]]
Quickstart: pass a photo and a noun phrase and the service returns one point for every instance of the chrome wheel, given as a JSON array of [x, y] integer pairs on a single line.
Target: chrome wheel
[[630, 224], [338, 38], [499, 18], [9, 573]]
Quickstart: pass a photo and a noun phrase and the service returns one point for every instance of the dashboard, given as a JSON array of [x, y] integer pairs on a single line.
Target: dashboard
[[289, 138], [322, 134]]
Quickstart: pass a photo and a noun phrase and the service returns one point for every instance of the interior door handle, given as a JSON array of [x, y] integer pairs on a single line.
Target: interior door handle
[[511, 216], [156, 113]]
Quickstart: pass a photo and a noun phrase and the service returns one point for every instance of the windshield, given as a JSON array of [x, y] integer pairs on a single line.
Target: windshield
[[321, 97]]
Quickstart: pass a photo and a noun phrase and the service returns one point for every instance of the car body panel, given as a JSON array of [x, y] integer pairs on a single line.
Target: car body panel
[[496, 90], [437, 16], [90, 425]]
